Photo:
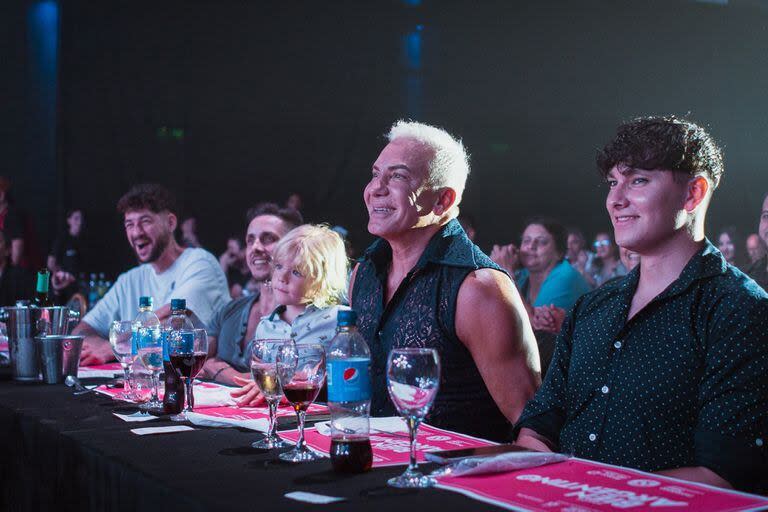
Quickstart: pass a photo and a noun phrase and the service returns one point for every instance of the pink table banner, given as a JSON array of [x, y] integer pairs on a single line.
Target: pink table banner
[[208, 393], [579, 485], [394, 449]]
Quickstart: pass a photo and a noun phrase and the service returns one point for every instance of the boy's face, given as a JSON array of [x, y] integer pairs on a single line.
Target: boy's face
[[646, 207], [288, 283]]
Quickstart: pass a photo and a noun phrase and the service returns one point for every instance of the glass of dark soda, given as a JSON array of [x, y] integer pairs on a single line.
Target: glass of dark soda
[[188, 351]]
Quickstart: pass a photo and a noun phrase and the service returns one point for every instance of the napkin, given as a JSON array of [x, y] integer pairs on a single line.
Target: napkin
[[387, 425], [212, 395], [136, 416], [260, 424], [499, 463]]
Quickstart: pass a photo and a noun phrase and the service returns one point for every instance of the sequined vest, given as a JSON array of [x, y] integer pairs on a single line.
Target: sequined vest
[[422, 313]]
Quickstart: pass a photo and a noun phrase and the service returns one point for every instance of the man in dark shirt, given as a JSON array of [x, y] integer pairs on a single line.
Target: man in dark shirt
[[759, 269], [666, 369]]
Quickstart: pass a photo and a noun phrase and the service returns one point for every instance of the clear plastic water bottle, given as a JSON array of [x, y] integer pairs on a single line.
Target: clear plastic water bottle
[[349, 397], [146, 323], [173, 400]]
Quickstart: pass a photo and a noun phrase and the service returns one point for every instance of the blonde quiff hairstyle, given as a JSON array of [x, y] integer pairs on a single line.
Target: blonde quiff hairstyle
[[319, 254], [449, 167]]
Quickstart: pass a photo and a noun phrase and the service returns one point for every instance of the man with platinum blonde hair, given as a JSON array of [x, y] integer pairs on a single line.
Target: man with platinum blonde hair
[[423, 283]]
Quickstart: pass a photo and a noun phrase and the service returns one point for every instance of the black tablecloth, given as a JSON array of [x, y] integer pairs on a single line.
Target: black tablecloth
[[69, 452]]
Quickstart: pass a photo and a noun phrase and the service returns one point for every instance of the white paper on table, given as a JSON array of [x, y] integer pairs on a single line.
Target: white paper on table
[[217, 396], [160, 430], [259, 424], [387, 425], [310, 497], [87, 373], [136, 416]]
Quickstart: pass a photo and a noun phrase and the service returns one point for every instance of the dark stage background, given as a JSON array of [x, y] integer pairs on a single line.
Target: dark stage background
[[234, 102]]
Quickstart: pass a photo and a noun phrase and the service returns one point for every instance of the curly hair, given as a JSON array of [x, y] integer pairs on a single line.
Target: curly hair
[[664, 143], [147, 196]]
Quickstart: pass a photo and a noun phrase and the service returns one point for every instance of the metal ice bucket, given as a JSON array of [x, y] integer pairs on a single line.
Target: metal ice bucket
[[59, 356], [24, 324]]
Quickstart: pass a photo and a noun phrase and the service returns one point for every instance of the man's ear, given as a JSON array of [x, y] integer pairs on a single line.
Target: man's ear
[[446, 199], [695, 193], [173, 221]]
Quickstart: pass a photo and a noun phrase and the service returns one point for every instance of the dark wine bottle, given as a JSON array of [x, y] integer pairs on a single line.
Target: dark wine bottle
[[41, 299]]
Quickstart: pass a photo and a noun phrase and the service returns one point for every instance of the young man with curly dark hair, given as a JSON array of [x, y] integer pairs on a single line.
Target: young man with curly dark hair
[[665, 369], [166, 270]]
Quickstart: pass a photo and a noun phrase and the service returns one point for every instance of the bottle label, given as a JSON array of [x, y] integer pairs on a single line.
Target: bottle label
[[184, 342], [134, 343], [349, 380], [166, 352]]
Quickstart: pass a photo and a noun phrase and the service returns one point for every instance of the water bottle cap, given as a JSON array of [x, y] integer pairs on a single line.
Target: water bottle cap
[[346, 317], [177, 304], [145, 302]]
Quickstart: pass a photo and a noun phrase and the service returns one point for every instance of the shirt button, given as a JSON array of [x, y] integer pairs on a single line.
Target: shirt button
[[592, 437], [604, 390], [759, 442], [380, 333], [617, 344]]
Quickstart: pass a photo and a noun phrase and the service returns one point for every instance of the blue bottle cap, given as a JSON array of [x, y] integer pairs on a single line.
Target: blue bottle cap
[[346, 317], [145, 302], [177, 304]]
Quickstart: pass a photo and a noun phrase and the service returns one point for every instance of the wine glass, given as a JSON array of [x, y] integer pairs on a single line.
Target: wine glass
[[150, 350], [413, 379], [187, 351], [121, 340], [264, 371], [301, 372]]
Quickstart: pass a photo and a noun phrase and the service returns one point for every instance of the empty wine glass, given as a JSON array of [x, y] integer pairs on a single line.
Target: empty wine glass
[[121, 340], [413, 379], [301, 372], [150, 350], [264, 371], [187, 351]]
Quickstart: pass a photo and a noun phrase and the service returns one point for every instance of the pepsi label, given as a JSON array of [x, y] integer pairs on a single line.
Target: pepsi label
[[185, 343], [349, 380]]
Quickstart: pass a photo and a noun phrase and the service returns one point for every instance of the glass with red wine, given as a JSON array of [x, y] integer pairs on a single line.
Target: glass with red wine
[[187, 351], [301, 372]]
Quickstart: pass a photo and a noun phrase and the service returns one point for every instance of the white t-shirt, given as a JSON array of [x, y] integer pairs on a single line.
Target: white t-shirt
[[195, 276]]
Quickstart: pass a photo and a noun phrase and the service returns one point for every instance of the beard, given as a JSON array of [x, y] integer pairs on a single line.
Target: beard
[[160, 245]]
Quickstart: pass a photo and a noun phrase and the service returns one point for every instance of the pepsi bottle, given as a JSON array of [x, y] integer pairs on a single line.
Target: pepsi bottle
[[349, 397]]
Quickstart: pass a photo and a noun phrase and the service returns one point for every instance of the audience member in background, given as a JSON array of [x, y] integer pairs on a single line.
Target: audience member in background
[[294, 202], [69, 254], [756, 249], [16, 283], [730, 243], [548, 284], [423, 283], [233, 325], [759, 269], [11, 223], [629, 259], [577, 254], [665, 369], [233, 264], [468, 225], [189, 233], [166, 270], [606, 264], [309, 283]]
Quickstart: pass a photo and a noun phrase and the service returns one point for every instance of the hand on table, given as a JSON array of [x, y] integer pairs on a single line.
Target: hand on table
[[249, 393], [96, 353]]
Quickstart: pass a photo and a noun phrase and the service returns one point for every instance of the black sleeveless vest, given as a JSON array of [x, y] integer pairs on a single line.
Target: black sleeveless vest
[[422, 313]]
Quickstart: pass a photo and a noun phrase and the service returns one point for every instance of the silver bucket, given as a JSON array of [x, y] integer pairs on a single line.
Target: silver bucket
[[59, 356], [23, 325]]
